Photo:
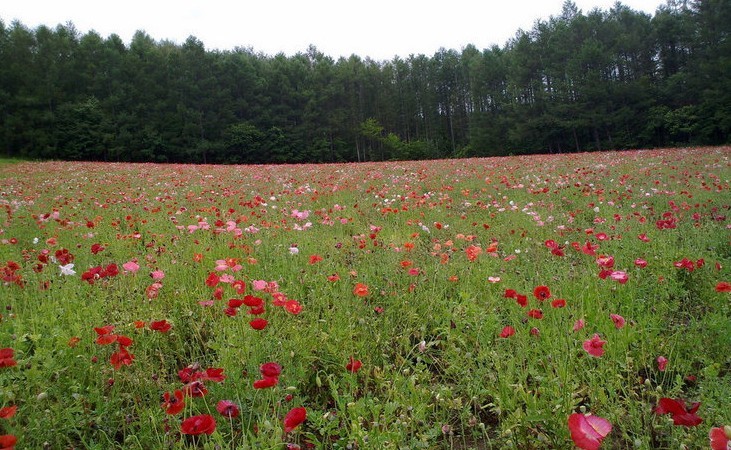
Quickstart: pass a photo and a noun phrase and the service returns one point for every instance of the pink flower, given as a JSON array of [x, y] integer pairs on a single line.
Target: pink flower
[[618, 321], [662, 362], [594, 346], [259, 285], [619, 276], [157, 275], [641, 263], [131, 266], [579, 324], [588, 431]]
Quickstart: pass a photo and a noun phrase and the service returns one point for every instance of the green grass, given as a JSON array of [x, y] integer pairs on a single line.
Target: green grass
[[435, 372]]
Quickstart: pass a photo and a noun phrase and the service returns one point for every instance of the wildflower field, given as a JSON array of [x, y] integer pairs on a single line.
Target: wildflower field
[[538, 302]]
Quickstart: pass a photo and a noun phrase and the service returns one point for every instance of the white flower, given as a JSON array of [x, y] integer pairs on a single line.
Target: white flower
[[293, 250], [68, 269]]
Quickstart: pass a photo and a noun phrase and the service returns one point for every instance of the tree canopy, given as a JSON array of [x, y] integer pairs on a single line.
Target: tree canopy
[[578, 81]]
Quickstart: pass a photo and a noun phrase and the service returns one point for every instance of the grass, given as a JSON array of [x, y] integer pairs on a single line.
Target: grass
[[435, 372]]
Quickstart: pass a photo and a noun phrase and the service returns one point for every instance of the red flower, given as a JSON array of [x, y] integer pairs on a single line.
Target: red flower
[[618, 320], [720, 438], [270, 369], [195, 388], [173, 404], [266, 382], [507, 331], [8, 411], [163, 326], [522, 300], [681, 415], [204, 423], [558, 303], [96, 248], [212, 280], [121, 358], [535, 314], [213, 374], [594, 346], [510, 293], [360, 290], [354, 365], [542, 293], [253, 302], [314, 259], [723, 286], [7, 442], [258, 323], [588, 431], [294, 418], [293, 307], [6, 357], [228, 409]]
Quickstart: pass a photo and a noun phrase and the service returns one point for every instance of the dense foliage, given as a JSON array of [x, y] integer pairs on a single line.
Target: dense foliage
[[578, 81]]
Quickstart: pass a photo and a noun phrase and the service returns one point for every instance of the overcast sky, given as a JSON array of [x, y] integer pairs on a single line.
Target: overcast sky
[[380, 29]]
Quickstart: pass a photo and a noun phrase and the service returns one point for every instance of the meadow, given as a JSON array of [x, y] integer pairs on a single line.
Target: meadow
[[532, 302]]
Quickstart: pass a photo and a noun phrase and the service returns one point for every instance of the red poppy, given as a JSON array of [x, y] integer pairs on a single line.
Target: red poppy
[[213, 374], [266, 382], [293, 307], [212, 280], [258, 323], [360, 290], [354, 365], [535, 314], [8, 411], [235, 303], [507, 331], [204, 423], [723, 286], [314, 259], [96, 248], [510, 293], [542, 293], [173, 404], [7, 442], [163, 326], [6, 357], [558, 303], [588, 431], [720, 438], [195, 388], [270, 369], [253, 302], [121, 358], [294, 418], [594, 346], [228, 409], [681, 415], [522, 300]]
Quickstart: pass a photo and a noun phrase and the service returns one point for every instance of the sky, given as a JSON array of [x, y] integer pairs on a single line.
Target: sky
[[379, 29]]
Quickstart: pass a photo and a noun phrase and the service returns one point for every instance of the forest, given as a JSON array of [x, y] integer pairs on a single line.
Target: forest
[[578, 81]]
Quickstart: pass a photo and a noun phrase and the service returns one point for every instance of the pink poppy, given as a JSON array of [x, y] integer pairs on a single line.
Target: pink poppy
[[588, 431], [618, 320], [594, 346]]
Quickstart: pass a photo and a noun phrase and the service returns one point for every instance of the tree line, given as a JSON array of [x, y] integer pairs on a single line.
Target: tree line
[[577, 81]]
